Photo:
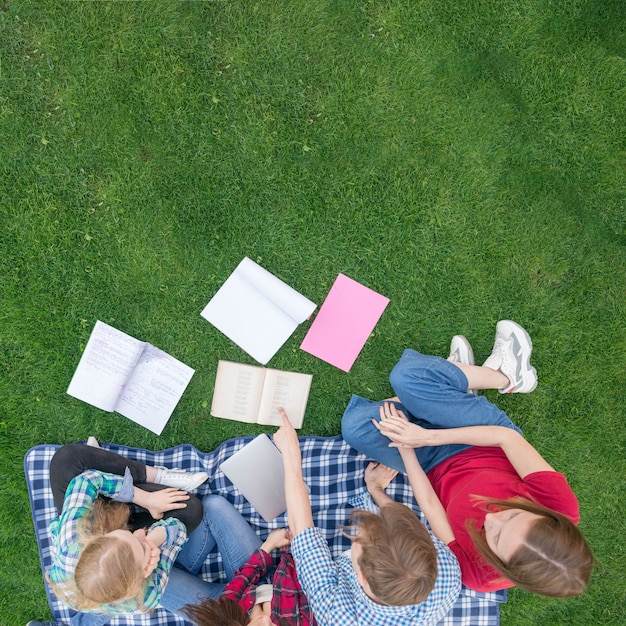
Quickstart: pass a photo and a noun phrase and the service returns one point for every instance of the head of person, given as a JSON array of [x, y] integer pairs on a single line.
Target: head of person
[[393, 555], [113, 564], [534, 547], [226, 612]]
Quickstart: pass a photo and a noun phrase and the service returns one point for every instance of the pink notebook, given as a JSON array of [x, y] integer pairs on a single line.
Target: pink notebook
[[344, 323]]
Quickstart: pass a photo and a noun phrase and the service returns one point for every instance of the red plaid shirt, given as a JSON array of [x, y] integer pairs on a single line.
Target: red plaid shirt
[[288, 600]]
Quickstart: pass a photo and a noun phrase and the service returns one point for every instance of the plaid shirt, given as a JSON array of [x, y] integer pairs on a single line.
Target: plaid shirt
[[288, 599], [67, 546], [338, 599]]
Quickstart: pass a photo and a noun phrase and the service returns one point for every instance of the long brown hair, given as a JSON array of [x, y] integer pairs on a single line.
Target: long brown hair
[[398, 557], [553, 559]]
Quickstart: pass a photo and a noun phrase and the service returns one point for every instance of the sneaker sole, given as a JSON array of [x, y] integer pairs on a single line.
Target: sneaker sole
[[528, 371]]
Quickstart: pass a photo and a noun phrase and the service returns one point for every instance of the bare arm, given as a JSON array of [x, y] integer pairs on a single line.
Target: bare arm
[[404, 434], [423, 491], [296, 493], [426, 497]]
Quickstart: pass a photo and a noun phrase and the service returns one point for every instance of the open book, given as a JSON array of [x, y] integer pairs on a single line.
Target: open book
[[252, 394], [120, 373], [256, 310]]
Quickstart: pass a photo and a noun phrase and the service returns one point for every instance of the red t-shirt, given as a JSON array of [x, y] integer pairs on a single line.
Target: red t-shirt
[[487, 472]]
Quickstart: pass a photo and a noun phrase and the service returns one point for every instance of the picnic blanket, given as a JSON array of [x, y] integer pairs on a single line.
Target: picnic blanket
[[332, 470]]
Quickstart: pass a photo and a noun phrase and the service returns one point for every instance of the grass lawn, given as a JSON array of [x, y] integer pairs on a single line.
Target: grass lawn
[[465, 159]]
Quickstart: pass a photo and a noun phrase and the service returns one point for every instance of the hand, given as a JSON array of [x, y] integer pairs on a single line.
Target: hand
[[403, 434], [286, 439], [155, 555], [158, 502], [278, 538], [378, 476]]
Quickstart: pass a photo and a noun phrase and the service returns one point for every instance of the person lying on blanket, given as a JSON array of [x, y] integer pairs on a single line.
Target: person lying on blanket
[[509, 517], [103, 562], [395, 574], [247, 561]]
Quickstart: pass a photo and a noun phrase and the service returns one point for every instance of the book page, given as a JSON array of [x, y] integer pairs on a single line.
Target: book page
[[154, 389], [237, 393], [293, 303], [242, 310], [107, 362], [287, 389]]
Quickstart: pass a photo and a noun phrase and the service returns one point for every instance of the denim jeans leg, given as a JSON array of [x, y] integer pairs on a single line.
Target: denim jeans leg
[[359, 432], [185, 588], [223, 525], [433, 394], [89, 619], [434, 391]]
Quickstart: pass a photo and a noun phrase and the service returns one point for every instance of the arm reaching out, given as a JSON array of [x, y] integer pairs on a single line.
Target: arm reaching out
[[377, 479], [423, 491], [296, 493], [404, 434]]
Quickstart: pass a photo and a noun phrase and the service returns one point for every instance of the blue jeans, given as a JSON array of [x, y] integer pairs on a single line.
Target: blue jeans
[[89, 619], [433, 393], [221, 525]]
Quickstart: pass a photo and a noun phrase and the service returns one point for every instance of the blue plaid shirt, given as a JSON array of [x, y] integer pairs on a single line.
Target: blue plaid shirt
[[337, 598], [67, 546]]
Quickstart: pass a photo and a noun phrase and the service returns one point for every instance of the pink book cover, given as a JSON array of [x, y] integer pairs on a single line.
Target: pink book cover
[[344, 322]]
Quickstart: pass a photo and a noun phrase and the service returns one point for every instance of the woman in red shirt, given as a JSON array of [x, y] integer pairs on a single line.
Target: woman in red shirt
[[509, 517]]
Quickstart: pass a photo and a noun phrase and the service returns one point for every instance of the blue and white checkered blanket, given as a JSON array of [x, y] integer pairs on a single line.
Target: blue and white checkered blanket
[[332, 470]]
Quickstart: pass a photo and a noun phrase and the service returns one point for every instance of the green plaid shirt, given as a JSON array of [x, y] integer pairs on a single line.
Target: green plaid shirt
[[66, 545]]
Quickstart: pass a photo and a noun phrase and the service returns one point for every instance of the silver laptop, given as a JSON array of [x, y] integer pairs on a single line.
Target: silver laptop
[[257, 471]]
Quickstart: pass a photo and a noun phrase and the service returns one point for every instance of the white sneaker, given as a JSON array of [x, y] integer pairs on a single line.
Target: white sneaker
[[461, 352], [93, 442], [180, 478], [511, 356]]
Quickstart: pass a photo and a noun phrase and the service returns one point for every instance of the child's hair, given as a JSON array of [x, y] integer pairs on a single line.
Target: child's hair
[[398, 557], [222, 612], [106, 570], [553, 560]]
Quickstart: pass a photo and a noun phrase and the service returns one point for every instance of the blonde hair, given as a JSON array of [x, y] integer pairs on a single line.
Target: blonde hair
[[398, 557], [106, 571], [552, 560]]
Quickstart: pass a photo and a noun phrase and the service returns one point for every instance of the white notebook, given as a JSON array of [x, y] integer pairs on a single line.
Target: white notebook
[[117, 372], [257, 310]]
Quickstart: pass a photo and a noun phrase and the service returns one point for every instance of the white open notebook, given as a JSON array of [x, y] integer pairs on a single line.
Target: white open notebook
[[120, 373], [257, 310]]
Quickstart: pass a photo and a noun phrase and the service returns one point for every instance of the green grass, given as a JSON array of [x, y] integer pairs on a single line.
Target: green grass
[[466, 159]]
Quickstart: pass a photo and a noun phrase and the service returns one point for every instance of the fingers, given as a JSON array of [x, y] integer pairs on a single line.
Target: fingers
[[283, 414]]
